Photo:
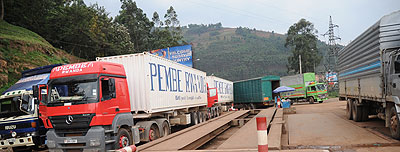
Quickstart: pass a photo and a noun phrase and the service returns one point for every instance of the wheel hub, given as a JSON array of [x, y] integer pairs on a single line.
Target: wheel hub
[[123, 141], [151, 134]]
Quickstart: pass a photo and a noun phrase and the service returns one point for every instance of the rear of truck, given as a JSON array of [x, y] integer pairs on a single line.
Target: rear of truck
[[224, 89], [368, 73], [256, 92]]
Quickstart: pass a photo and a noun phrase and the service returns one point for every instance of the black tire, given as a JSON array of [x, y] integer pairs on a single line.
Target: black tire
[[195, 118], [394, 124], [123, 139], [349, 109], [357, 112], [204, 117], [311, 100], [321, 101], [201, 117], [166, 129], [154, 132]]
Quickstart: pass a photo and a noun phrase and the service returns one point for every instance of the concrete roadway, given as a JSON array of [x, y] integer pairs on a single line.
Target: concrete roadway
[[324, 126]]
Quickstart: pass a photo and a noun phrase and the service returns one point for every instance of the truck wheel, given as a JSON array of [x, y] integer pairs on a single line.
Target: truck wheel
[[349, 111], [204, 117], [123, 139], [154, 133], [195, 118], [321, 101], [311, 100], [201, 117], [166, 129], [357, 112], [394, 124]]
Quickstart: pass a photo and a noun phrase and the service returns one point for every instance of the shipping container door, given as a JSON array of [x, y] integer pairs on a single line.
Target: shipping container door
[[266, 90]]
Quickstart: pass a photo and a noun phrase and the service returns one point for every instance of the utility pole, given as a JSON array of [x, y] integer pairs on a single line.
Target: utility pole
[[332, 52], [300, 64]]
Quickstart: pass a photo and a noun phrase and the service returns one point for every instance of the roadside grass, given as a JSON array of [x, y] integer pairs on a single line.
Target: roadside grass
[[12, 32]]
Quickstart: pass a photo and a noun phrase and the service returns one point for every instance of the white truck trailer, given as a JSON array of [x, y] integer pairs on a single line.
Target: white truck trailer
[[369, 73]]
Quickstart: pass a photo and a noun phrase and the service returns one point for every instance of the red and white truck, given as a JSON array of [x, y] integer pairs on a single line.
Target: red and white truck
[[122, 100]]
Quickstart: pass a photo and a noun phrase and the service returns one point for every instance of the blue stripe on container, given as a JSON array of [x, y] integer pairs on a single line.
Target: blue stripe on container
[[371, 66]]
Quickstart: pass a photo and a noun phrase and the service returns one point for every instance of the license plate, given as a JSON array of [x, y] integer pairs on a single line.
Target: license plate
[[11, 140], [70, 141]]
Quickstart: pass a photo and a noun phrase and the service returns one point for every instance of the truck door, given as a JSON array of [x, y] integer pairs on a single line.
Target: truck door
[[396, 76], [212, 96], [108, 99]]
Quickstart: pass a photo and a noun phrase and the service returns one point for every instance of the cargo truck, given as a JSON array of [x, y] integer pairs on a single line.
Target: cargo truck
[[369, 73], [122, 100], [256, 92], [20, 126], [307, 89], [225, 91]]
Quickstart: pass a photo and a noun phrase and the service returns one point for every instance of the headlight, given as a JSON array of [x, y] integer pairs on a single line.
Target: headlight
[[13, 134]]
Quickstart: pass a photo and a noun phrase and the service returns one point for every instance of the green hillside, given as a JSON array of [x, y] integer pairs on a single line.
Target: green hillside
[[238, 53], [21, 49]]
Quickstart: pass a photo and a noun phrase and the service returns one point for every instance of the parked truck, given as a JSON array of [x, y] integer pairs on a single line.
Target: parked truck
[[369, 73], [225, 91], [20, 126], [256, 92], [123, 100], [307, 89]]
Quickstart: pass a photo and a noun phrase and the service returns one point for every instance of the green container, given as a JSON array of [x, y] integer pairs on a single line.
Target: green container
[[256, 90]]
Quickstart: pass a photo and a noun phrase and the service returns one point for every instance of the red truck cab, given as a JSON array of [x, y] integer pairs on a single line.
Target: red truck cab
[[88, 108]]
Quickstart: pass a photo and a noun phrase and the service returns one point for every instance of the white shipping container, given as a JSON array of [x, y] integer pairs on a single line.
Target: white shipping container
[[224, 88], [157, 84]]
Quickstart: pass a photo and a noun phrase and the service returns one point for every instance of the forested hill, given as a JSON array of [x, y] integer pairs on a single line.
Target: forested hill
[[22, 49], [238, 53]]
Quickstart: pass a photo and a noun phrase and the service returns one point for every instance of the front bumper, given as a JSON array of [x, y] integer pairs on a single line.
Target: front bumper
[[93, 141], [15, 142]]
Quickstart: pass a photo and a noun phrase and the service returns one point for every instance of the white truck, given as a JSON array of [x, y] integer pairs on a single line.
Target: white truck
[[369, 73]]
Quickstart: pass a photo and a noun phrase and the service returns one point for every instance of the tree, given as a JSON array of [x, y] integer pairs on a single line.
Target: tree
[[138, 25], [2, 10], [302, 40], [156, 20], [172, 24]]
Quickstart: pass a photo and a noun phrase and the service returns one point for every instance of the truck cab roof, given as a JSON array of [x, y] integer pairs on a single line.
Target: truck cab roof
[[94, 67]]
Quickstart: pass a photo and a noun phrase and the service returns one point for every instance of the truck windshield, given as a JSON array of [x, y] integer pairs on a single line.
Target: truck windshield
[[321, 87], [73, 91], [9, 108]]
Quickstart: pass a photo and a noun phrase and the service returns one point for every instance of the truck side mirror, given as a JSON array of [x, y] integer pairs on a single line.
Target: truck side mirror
[[111, 85]]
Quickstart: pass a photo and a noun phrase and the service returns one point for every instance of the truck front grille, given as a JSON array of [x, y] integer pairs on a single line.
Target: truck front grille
[[65, 127]]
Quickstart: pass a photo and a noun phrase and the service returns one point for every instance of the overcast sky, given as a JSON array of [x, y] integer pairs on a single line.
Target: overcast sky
[[352, 16]]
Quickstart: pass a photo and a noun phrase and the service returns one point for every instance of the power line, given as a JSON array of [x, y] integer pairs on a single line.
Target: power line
[[239, 11]]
